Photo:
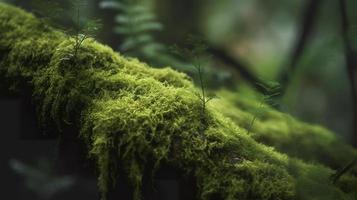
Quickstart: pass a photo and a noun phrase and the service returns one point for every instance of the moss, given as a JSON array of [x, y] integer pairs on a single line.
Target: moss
[[311, 143], [134, 118]]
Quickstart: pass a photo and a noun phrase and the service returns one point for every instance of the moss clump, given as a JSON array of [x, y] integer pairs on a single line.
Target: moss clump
[[308, 142], [134, 118]]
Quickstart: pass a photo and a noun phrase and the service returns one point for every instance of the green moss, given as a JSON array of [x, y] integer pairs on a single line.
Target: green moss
[[134, 118], [311, 143]]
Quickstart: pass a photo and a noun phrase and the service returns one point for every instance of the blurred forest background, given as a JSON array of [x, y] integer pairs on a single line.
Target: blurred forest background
[[250, 45]]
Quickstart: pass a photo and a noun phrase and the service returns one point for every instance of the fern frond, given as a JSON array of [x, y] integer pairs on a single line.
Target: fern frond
[[136, 23]]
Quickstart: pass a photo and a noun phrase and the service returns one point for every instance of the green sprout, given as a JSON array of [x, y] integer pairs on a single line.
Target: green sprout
[[271, 90], [83, 29], [196, 52]]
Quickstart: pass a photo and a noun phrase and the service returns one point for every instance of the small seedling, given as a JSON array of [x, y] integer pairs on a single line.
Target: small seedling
[[82, 30], [196, 52], [271, 90]]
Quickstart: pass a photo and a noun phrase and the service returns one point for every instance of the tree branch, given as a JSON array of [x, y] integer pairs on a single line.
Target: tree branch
[[306, 29], [222, 55], [351, 64]]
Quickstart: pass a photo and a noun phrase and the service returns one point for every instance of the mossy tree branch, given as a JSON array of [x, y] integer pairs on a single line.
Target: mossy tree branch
[[130, 115]]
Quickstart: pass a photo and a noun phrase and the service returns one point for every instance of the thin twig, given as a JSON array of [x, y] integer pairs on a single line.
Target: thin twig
[[335, 177]]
